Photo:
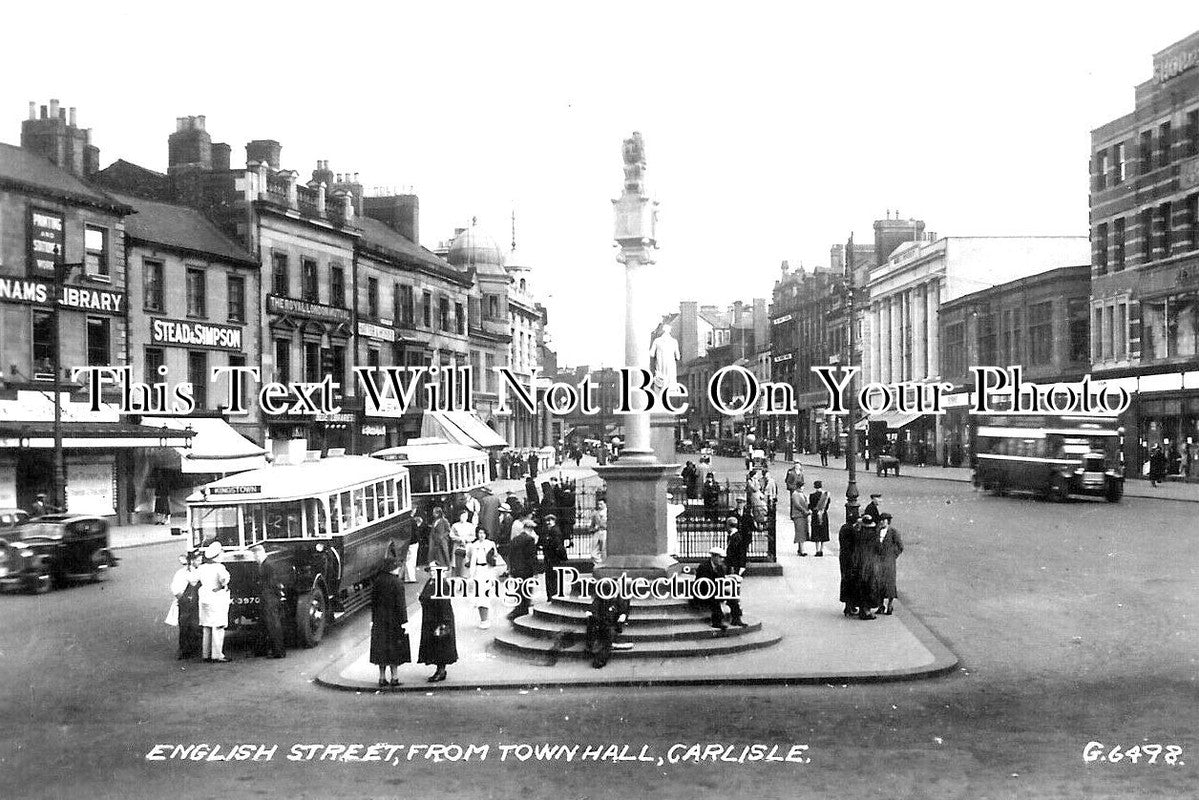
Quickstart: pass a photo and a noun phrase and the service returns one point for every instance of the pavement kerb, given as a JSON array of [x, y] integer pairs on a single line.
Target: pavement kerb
[[944, 662]]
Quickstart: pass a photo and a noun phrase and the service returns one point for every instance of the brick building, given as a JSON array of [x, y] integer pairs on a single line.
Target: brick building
[[1144, 224]]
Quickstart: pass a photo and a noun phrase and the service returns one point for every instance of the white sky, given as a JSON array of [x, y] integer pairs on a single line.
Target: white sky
[[771, 130]]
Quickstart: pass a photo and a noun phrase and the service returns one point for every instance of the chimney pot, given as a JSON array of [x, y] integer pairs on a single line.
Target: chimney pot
[[43, 112], [71, 116], [200, 122], [355, 177], [53, 107], [32, 110]]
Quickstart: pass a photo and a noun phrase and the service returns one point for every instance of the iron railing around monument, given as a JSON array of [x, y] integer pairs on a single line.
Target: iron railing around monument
[[699, 527]]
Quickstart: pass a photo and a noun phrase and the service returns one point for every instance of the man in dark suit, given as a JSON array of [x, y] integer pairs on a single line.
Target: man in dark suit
[[522, 561], [872, 507], [605, 621], [714, 568], [270, 607], [737, 547], [553, 550]]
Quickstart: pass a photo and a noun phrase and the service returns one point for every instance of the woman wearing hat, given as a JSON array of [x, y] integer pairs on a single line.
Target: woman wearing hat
[[389, 641], [186, 588], [214, 603], [890, 545], [799, 517], [483, 564], [438, 641]]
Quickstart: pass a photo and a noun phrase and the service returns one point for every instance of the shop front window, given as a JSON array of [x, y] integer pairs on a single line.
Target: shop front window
[[1171, 326]]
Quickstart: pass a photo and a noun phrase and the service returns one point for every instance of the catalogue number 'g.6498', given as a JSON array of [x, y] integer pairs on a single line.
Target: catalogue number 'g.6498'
[[1169, 754]]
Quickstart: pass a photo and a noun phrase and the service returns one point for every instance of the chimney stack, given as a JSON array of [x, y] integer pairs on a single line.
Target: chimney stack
[[56, 136]]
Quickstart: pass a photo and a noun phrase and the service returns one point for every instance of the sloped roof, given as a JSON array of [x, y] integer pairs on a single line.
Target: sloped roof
[[180, 227], [379, 235], [28, 169], [717, 319]]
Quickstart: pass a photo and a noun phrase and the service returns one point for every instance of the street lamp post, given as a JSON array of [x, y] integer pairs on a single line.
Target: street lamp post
[[851, 488], [59, 479]]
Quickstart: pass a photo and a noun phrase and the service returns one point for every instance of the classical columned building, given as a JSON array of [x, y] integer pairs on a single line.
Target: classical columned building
[[906, 292]]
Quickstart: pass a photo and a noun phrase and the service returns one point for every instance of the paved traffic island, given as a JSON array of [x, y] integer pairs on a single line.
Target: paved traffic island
[[817, 644]]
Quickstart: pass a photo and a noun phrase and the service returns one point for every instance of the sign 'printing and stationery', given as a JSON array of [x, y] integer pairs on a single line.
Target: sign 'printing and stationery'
[[195, 334], [84, 298], [45, 239]]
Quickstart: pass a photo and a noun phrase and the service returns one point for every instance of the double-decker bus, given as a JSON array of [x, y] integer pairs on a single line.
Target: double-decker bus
[[326, 524], [1055, 455], [439, 470]]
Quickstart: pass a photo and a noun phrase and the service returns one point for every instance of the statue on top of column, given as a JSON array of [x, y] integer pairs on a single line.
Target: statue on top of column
[[634, 164]]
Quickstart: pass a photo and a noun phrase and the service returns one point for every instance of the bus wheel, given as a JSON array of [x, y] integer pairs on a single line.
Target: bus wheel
[[1057, 492], [312, 612]]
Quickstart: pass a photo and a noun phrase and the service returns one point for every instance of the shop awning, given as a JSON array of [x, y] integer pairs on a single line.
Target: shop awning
[[216, 447], [460, 427], [88, 435], [896, 420]]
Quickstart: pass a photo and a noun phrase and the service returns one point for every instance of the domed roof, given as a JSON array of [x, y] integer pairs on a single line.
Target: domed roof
[[474, 248]]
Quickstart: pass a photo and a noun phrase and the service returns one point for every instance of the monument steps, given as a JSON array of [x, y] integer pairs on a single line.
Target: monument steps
[[698, 628], [642, 615], [520, 642]]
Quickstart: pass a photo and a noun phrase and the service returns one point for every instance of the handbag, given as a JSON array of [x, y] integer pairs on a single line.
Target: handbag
[[173, 614]]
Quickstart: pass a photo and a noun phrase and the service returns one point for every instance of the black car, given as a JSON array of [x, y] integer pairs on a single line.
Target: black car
[[54, 549]]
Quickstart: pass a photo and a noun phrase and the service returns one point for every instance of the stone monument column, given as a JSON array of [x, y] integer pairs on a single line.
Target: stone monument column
[[636, 484]]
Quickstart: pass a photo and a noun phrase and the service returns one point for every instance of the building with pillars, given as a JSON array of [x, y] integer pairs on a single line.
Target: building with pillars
[[1145, 259], [906, 292]]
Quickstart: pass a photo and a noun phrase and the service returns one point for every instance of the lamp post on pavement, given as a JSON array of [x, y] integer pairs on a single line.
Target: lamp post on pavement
[[851, 456], [59, 480]]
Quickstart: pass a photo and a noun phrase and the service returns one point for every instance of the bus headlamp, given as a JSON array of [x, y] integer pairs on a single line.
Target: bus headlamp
[[320, 548]]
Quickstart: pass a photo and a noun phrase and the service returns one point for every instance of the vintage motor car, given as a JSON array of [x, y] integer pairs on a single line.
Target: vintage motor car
[[53, 549], [11, 518]]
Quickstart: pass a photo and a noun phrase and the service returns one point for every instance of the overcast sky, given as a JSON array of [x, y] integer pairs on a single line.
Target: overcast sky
[[771, 130]]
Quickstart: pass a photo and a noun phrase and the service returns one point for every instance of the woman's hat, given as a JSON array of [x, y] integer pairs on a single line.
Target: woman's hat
[[213, 551], [717, 551], [731, 521], [867, 519]]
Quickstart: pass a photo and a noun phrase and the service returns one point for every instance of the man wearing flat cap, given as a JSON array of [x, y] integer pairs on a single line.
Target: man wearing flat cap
[[553, 549], [271, 591], [872, 507], [737, 547], [714, 568]]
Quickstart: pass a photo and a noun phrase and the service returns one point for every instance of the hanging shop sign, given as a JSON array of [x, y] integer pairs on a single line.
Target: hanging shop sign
[[376, 332]]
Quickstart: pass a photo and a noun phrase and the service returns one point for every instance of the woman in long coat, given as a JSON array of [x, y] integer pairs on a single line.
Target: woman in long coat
[[389, 613], [799, 518], [483, 564], [818, 503], [438, 641], [532, 499], [890, 545], [866, 569], [186, 588], [711, 495], [757, 506], [847, 541]]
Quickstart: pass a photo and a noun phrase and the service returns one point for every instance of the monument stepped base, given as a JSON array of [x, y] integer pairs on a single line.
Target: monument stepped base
[[655, 629]]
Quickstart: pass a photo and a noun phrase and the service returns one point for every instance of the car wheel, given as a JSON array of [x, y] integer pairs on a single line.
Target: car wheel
[[312, 612]]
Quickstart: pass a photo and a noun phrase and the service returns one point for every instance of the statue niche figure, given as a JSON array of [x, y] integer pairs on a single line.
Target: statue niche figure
[[664, 358], [634, 164]]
